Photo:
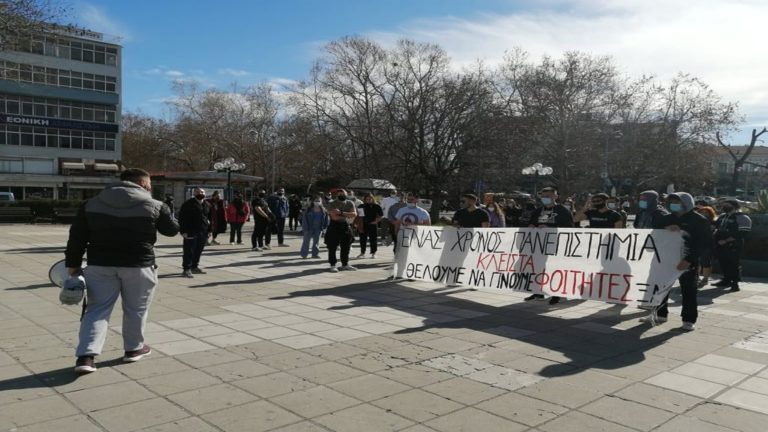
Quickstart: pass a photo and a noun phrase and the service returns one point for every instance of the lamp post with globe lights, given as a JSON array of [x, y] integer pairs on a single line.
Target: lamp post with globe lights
[[228, 165], [536, 170]]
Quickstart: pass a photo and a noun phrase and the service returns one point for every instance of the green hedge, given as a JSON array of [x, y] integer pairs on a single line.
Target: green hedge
[[42, 208]]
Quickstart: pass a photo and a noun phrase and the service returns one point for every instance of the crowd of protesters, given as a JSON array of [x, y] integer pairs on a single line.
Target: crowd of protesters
[[121, 238], [339, 218]]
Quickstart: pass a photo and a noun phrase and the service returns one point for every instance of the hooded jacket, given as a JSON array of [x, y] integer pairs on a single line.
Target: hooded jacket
[[653, 216], [118, 228], [697, 234]]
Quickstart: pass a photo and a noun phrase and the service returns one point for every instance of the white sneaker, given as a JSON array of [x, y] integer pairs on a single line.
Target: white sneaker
[[373, 256], [348, 267], [688, 326], [266, 247], [361, 256], [231, 243], [333, 269], [653, 319], [215, 242], [256, 249]]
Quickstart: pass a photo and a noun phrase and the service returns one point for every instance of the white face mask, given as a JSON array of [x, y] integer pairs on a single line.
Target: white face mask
[[318, 203], [491, 209], [411, 205]]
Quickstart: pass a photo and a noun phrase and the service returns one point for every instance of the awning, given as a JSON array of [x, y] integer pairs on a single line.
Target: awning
[[73, 165], [106, 167]]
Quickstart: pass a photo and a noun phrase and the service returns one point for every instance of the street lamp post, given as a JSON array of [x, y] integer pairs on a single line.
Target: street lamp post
[[536, 170], [228, 165]]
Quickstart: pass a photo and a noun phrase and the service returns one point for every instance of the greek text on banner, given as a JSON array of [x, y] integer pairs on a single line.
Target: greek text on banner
[[624, 266]]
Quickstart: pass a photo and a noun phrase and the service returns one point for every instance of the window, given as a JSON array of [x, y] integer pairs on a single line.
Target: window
[[12, 135], [77, 140], [40, 110], [53, 111], [53, 141], [110, 145], [40, 140], [27, 108], [12, 107], [26, 136], [87, 141], [11, 166], [38, 166], [65, 141]]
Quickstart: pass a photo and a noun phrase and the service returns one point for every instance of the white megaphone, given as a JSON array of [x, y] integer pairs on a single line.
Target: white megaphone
[[58, 273]]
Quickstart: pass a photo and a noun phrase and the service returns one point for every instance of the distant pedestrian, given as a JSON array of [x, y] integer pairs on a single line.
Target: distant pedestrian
[[279, 206], [262, 221], [238, 211], [118, 228], [217, 217], [294, 212], [314, 222], [369, 214], [732, 229], [339, 235], [194, 227]]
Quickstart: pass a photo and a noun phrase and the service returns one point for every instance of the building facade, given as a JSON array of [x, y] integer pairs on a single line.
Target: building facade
[[753, 176], [60, 115]]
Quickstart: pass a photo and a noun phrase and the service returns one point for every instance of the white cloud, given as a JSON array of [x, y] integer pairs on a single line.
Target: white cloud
[[174, 73], [233, 72], [720, 41], [95, 18]]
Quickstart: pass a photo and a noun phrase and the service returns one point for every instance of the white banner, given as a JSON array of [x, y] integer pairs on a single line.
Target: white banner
[[624, 266]]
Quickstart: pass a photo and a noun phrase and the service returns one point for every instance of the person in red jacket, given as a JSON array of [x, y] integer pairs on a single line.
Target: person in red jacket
[[237, 212]]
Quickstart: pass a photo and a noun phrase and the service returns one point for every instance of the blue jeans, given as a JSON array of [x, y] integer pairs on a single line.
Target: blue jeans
[[193, 248], [314, 235]]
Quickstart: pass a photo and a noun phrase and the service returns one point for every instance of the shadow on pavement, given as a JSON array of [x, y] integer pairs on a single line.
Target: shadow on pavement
[[584, 349]]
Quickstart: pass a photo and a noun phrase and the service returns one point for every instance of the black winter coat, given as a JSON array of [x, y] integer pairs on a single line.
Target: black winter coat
[[193, 217]]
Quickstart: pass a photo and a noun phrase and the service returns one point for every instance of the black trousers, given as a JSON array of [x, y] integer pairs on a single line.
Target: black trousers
[[257, 237], [236, 230], [688, 281], [370, 234], [338, 236], [193, 249], [294, 222], [730, 260], [280, 228]]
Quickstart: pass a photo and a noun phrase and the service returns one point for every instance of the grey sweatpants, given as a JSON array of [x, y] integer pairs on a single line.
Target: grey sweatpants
[[135, 285]]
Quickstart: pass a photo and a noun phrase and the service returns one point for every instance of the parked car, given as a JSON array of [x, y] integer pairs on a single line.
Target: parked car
[[7, 197]]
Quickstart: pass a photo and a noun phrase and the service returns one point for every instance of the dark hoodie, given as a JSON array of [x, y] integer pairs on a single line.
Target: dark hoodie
[[119, 228], [697, 233], [653, 216]]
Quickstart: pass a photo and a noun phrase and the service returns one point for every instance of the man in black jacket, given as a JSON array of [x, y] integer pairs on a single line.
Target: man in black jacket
[[118, 228], [194, 227], [697, 236], [732, 229]]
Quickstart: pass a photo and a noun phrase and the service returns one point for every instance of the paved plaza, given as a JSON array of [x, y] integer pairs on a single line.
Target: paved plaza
[[271, 342]]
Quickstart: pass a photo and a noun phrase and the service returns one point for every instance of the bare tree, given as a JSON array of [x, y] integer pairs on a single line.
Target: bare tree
[[740, 159], [20, 19]]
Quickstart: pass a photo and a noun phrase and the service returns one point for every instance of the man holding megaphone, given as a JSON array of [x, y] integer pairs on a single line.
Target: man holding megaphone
[[118, 228]]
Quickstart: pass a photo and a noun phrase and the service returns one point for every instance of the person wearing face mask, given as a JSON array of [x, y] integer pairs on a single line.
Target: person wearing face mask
[[613, 204], [512, 213], [369, 214], [262, 220], [651, 215], [411, 214], [598, 214], [470, 215], [697, 236], [705, 261], [549, 215], [731, 230], [118, 228], [496, 217], [314, 222], [195, 228], [280, 207], [339, 234]]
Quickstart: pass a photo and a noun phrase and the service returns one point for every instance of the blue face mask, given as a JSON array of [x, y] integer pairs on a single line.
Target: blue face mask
[[546, 201], [643, 204], [675, 207]]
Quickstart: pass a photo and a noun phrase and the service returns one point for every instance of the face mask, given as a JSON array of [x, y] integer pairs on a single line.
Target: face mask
[[491, 209], [341, 198], [547, 201], [411, 205], [675, 207], [612, 206], [200, 197], [318, 203], [643, 204]]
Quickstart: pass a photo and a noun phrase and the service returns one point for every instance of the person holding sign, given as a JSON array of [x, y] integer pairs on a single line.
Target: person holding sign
[[369, 214], [697, 238], [598, 214], [549, 215], [339, 234], [651, 214], [412, 214], [470, 215]]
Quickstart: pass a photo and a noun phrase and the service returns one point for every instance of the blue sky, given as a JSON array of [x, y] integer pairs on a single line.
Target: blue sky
[[218, 43]]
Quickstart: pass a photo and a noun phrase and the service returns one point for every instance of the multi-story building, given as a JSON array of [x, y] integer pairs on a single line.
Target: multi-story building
[[753, 176], [60, 115]]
